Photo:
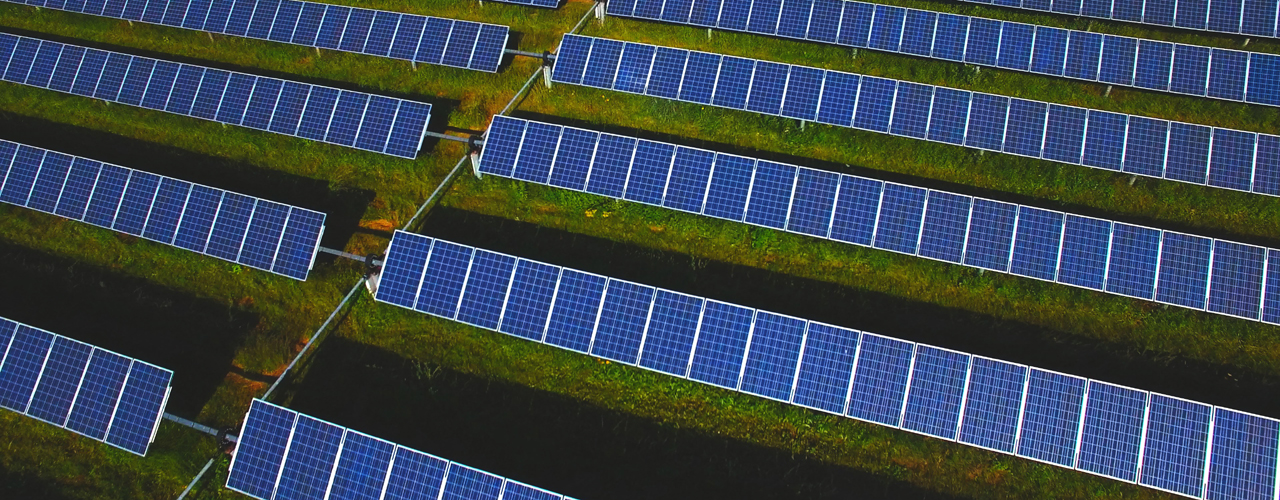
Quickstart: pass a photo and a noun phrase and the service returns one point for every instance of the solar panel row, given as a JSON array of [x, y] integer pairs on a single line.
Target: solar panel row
[[85, 389], [1218, 157], [1185, 270], [430, 40], [353, 119], [284, 454], [242, 229], [1149, 64], [1114, 431], [1247, 17]]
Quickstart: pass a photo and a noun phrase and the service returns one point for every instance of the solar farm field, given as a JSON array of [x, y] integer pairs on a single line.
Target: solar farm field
[[694, 261]]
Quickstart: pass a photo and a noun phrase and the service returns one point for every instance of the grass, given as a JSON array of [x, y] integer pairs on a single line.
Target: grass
[[40, 458]]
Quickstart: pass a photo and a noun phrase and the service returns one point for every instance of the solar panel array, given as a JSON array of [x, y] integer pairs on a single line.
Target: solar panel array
[[353, 119], [1246, 17], [1117, 60], [283, 454], [242, 229], [1200, 273], [1197, 154], [1155, 440], [85, 389], [429, 40]]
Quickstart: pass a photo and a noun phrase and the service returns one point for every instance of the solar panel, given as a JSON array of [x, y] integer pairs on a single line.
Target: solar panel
[[374, 123], [1176, 445], [263, 235], [1112, 433], [82, 388], [362, 31], [1116, 60], [936, 392], [281, 453], [1229, 159], [1127, 434], [1147, 263], [993, 404]]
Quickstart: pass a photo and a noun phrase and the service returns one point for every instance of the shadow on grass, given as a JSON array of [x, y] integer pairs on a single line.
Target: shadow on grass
[[343, 208], [197, 338], [911, 180], [876, 312], [557, 442]]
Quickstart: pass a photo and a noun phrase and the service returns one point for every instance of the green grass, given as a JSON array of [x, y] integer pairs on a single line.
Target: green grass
[[38, 456]]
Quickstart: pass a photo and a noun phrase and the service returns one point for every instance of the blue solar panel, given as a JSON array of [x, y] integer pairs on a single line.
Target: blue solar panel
[[813, 202], [1188, 158], [1176, 445], [771, 193], [465, 483], [99, 394], [857, 210], [1111, 436], [690, 178], [536, 152], [1051, 417], [485, 294], [310, 460], [880, 379], [993, 404], [260, 452], [875, 104], [650, 168], [1037, 243], [901, 213], [770, 366], [529, 301], [1184, 270], [444, 278], [987, 118], [414, 475], [1025, 132], [1242, 456], [938, 379], [991, 234], [1236, 287], [826, 368], [911, 110], [946, 222], [239, 99], [669, 337], [1085, 249], [574, 310], [721, 343], [612, 162], [730, 184], [1135, 252], [767, 87], [361, 470], [142, 402], [623, 317]]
